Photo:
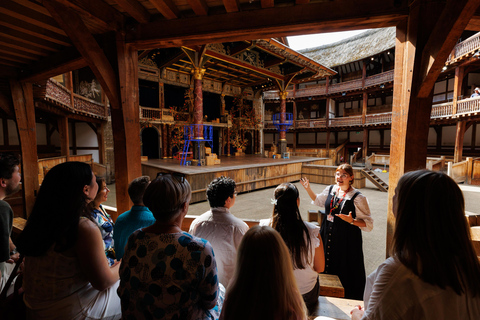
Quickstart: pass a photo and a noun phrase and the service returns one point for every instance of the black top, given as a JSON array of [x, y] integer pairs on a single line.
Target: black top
[[6, 221], [343, 246]]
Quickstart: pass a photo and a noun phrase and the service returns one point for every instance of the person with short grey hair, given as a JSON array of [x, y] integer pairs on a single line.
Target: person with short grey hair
[[139, 216]]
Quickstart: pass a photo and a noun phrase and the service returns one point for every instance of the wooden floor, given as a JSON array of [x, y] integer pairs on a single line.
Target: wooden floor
[[227, 163], [250, 172]]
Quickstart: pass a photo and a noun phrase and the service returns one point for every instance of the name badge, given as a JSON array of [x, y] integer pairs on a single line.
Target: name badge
[[330, 218]]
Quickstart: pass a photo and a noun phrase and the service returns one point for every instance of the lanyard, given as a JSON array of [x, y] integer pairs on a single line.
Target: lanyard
[[335, 202]]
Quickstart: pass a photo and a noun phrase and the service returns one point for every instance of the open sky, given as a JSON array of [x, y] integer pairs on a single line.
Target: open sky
[[316, 40]]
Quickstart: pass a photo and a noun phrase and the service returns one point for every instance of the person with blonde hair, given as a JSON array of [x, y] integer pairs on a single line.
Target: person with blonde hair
[[302, 239], [263, 271], [167, 273], [347, 214], [433, 271]]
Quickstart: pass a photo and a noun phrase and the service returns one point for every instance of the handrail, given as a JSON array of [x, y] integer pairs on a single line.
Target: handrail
[[465, 47]]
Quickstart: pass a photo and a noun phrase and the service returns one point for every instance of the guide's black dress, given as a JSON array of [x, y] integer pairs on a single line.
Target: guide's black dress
[[343, 247]]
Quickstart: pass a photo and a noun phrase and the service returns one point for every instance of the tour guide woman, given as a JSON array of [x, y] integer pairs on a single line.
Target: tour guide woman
[[347, 213]]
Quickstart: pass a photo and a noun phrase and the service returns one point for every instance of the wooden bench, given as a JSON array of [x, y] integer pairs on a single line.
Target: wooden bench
[[18, 225]]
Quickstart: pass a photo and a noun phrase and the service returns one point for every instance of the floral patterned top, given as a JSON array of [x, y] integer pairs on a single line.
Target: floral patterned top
[[169, 276], [105, 224]]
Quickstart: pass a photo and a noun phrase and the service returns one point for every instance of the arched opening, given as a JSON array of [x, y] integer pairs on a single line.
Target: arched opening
[[150, 143]]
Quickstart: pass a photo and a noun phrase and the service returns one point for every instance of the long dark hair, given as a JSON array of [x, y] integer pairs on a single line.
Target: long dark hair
[[432, 237], [288, 222], [57, 210]]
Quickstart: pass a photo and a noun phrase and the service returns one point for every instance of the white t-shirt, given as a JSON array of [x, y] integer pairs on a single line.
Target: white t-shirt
[[224, 231], [306, 278], [394, 292]]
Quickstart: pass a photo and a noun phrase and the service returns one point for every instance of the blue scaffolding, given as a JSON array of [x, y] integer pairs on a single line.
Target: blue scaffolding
[[189, 136], [282, 126]]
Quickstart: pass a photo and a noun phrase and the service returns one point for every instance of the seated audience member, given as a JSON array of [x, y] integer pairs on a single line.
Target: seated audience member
[[9, 184], [167, 273], [433, 271], [302, 239], [102, 219], [137, 217], [66, 275], [220, 227], [263, 286]]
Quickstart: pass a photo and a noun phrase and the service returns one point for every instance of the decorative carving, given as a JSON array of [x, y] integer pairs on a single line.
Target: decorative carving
[[148, 62], [89, 89], [276, 69], [217, 47]]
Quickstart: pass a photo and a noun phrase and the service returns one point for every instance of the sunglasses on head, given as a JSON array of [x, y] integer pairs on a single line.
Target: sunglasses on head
[[177, 175]]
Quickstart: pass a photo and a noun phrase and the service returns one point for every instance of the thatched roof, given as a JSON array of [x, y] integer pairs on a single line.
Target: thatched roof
[[352, 49]]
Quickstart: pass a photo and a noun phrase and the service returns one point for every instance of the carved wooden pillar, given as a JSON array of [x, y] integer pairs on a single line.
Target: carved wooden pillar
[[22, 96], [169, 139], [164, 141], [283, 119], [198, 101], [365, 143], [364, 107], [228, 142]]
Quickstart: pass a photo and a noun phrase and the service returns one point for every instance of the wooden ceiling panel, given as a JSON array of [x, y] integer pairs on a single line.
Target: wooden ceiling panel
[[167, 8], [135, 9]]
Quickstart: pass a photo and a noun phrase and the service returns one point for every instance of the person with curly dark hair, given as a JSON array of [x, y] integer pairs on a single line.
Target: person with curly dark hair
[[220, 227]]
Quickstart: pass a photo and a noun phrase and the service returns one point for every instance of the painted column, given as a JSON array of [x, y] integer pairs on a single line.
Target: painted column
[[283, 118], [164, 141], [198, 101]]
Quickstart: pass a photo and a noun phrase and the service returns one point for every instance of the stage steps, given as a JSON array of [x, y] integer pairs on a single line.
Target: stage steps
[[379, 183]]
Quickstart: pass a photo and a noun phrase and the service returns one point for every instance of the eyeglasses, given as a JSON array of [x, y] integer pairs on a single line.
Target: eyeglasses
[[177, 175], [343, 176]]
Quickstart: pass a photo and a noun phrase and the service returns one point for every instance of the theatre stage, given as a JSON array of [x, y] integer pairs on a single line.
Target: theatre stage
[[250, 172]]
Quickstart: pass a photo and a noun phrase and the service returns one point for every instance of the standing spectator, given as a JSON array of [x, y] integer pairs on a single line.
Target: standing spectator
[[433, 271], [139, 216], [102, 219], [167, 273], [66, 275], [263, 287], [302, 239], [348, 214], [221, 228], [9, 184], [476, 93]]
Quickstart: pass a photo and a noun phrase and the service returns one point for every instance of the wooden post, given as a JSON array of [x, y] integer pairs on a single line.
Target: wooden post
[[62, 123], [126, 125], [283, 117], [228, 142], [474, 136], [74, 137], [382, 138], [457, 88], [22, 96], [364, 107], [469, 170], [101, 142], [365, 144], [364, 72], [438, 131], [460, 134]]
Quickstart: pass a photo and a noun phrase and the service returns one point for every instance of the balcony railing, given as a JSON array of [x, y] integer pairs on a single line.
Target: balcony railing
[[468, 106], [314, 123], [346, 121], [378, 118], [442, 110], [465, 47], [345, 86], [378, 79]]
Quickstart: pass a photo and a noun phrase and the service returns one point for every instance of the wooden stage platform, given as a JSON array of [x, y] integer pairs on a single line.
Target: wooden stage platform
[[250, 172]]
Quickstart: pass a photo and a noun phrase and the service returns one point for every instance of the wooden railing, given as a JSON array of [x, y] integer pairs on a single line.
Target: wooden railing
[[318, 90], [346, 121], [377, 159], [150, 113], [378, 79], [465, 47], [459, 171], [378, 118], [314, 123], [442, 110], [468, 106], [436, 164], [345, 86]]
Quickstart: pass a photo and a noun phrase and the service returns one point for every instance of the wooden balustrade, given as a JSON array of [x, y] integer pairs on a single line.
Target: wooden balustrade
[[465, 47], [378, 79], [345, 86], [468, 106], [378, 118], [312, 91], [314, 123], [442, 110], [346, 121], [150, 113]]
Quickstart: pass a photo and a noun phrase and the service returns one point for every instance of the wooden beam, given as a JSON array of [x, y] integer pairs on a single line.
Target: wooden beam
[[231, 5], [448, 29], [167, 8], [59, 63], [88, 47], [200, 7], [31, 29], [135, 9], [266, 23], [302, 1], [126, 125], [22, 96], [29, 39], [100, 130], [410, 114], [457, 87], [6, 104], [10, 42], [97, 12], [459, 137], [267, 3], [62, 123]]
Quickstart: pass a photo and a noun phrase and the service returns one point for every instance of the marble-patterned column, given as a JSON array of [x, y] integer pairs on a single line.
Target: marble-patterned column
[[283, 119]]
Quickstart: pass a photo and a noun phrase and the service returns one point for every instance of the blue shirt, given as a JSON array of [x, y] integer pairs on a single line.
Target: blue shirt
[[129, 221]]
